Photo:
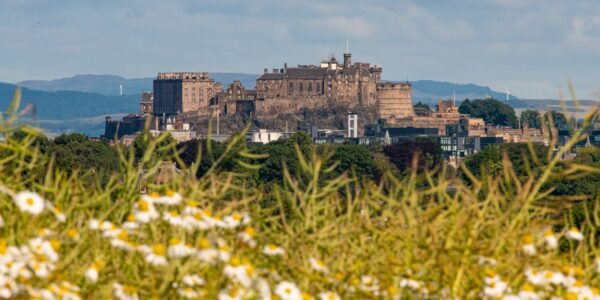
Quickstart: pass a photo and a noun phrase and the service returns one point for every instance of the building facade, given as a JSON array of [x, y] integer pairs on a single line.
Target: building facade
[[183, 92], [291, 89]]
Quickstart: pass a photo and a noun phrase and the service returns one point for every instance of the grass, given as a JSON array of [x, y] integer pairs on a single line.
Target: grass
[[415, 237]]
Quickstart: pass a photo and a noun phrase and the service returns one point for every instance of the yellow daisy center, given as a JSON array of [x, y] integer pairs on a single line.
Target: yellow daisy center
[[30, 201]]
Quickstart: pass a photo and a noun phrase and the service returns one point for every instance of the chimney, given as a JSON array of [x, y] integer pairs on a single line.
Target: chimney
[[347, 60], [285, 67], [266, 71]]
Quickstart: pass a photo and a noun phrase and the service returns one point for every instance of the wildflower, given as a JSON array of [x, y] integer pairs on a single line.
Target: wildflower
[[58, 214], [239, 273], [247, 236], [96, 224], [482, 260], [189, 293], [288, 291], [410, 283], [318, 265], [231, 293], [157, 256], [208, 255], [1, 221], [329, 296], [122, 242], [91, 273], [73, 234], [528, 246], [236, 219], [125, 292], [272, 250], [494, 287], [131, 223], [192, 280], [173, 218], [45, 232], [171, 198], [369, 284], [41, 269], [45, 248], [29, 202], [574, 234], [144, 211], [179, 249], [224, 250], [528, 293], [263, 289], [550, 239]]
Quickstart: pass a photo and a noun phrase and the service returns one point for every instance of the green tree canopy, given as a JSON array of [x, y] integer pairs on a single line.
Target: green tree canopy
[[491, 111], [489, 159], [531, 117], [559, 120], [428, 150]]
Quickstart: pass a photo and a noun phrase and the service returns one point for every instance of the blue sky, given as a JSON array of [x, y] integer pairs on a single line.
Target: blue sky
[[533, 47]]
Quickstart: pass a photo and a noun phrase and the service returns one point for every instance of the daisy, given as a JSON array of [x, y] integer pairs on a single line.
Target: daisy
[[318, 265], [329, 296], [73, 234], [208, 255], [151, 198], [91, 274], [179, 249], [29, 202], [369, 284], [272, 250], [58, 214], [236, 219], [144, 211], [189, 293], [247, 237], [288, 291], [528, 246], [239, 273], [1, 221], [122, 242], [171, 198], [550, 239], [125, 292], [410, 283], [494, 287], [192, 280], [574, 234], [131, 223], [157, 256], [231, 293], [528, 293], [173, 218]]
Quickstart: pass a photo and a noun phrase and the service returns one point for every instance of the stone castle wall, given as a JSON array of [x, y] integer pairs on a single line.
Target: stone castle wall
[[394, 100]]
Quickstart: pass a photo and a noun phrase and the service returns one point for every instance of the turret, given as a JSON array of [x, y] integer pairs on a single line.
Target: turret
[[347, 60]]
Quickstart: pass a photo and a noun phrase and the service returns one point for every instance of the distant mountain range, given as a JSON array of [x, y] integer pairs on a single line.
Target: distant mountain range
[[80, 103], [110, 84], [427, 91]]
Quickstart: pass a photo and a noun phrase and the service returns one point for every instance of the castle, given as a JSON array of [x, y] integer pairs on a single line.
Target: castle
[[285, 90], [186, 99]]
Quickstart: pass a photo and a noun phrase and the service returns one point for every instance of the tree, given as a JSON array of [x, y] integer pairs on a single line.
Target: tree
[[422, 105], [162, 150], [428, 150], [489, 159], [531, 117], [559, 121], [491, 111], [354, 159], [282, 153]]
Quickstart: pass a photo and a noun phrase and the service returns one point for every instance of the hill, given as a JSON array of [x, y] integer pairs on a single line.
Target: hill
[[80, 111], [110, 84]]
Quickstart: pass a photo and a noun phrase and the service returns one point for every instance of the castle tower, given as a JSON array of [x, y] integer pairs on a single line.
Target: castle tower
[[347, 60], [394, 100]]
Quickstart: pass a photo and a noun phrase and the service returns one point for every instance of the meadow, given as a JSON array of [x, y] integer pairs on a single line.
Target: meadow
[[66, 235]]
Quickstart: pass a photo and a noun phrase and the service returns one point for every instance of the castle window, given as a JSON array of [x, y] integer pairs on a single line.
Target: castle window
[[310, 86], [319, 88], [301, 87]]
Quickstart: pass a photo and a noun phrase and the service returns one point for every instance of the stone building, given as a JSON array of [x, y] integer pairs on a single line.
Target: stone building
[[291, 89], [182, 92], [237, 99], [446, 114], [394, 100], [146, 102]]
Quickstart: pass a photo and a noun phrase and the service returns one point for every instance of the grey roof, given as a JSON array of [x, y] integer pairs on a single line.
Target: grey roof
[[306, 73], [271, 76]]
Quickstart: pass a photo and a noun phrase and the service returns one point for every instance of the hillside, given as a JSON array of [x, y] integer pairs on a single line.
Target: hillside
[[110, 84], [70, 110]]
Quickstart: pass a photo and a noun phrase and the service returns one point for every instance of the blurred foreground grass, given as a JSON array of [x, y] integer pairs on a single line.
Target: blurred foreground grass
[[215, 237]]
